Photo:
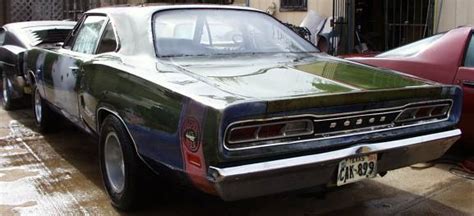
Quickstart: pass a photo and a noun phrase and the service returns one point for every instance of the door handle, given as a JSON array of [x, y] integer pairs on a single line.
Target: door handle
[[468, 83]]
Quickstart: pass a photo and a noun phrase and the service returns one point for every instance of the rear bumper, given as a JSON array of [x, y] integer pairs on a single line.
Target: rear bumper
[[263, 178]]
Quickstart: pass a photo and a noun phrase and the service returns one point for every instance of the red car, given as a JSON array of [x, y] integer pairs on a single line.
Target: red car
[[446, 58]]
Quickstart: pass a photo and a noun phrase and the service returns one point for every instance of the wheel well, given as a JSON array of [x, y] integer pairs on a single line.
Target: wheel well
[[31, 78], [101, 115]]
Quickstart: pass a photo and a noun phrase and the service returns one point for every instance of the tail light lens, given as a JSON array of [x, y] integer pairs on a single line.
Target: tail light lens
[[299, 127], [440, 111], [242, 134], [269, 131]]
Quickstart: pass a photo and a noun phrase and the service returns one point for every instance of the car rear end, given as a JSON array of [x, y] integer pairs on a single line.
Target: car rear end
[[290, 144]]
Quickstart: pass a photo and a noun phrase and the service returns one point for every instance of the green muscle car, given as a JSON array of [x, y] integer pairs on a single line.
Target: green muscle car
[[232, 102]]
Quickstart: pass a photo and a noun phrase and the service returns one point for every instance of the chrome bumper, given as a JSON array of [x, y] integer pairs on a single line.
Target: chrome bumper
[[263, 178]]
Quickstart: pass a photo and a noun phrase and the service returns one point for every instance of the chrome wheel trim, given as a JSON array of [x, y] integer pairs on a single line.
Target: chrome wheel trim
[[38, 107], [114, 163], [5, 91]]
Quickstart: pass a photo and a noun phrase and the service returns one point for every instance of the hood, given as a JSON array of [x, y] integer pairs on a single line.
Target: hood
[[289, 75]]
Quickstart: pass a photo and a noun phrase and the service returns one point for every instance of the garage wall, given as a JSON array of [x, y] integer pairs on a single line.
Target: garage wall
[[322, 7], [455, 13]]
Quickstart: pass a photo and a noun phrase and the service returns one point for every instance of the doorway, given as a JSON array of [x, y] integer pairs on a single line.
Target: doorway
[[371, 26]]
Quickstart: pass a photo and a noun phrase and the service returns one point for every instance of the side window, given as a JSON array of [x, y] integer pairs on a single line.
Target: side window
[[108, 43], [88, 35], [293, 5], [469, 59], [2, 36]]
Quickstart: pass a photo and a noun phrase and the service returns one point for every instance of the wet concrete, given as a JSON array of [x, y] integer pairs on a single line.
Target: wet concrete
[[58, 174]]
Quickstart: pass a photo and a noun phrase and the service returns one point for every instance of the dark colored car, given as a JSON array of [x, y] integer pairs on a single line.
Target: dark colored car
[[236, 109], [15, 40], [446, 58]]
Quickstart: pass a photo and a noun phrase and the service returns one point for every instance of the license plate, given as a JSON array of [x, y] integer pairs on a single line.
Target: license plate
[[356, 168]]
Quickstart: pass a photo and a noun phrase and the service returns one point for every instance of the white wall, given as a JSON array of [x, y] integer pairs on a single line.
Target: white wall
[[322, 7], [455, 13]]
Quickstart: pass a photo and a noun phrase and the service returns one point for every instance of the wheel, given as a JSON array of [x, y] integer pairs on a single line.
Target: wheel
[[46, 119], [119, 163], [7, 100]]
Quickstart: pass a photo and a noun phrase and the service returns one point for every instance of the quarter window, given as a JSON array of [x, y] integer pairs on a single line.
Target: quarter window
[[108, 43], [293, 5], [88, 36], [469, 59]]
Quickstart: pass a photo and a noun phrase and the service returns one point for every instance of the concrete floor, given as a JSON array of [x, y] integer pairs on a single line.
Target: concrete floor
[[58, 174]]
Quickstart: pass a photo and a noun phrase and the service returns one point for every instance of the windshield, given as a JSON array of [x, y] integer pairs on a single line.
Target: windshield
[[206, 32], [411, 49]]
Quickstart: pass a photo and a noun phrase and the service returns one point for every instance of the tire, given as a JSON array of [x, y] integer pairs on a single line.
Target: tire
[[119, 164], [7, 101], [46, 119]]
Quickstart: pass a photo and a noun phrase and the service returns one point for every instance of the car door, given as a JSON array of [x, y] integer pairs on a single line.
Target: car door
[[69, 65], [465, 78], [88, 103]]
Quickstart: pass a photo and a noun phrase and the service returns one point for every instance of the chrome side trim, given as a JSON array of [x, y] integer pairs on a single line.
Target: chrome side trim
[[220, 174], [337, 116]]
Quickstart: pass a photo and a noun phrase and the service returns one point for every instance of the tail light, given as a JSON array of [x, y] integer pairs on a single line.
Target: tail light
[[427, 112], [269, 131], [259, 133]]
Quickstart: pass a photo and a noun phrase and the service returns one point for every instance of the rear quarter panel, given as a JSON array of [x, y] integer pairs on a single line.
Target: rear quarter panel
[[155, 116]]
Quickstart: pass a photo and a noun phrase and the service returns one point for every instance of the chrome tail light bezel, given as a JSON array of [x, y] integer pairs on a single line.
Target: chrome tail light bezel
[[413, 111], [391, 114], [283, 134]]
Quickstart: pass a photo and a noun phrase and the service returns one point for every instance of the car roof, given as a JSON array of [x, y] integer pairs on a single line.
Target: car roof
[[152, 8], [133, 24], [30, 24]]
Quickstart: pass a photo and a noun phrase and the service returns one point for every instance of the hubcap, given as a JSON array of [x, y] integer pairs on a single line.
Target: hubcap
[[5, 91], [114, 164], [38, 107]]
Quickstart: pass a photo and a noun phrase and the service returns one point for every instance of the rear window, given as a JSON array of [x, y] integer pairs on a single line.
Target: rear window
[[48, 36], [412, 48], [208, 32]]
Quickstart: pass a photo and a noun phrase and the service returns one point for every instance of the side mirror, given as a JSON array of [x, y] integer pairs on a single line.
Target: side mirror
[[59, 44]]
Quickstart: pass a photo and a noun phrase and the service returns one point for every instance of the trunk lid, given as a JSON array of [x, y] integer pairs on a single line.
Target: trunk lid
[[278, 76]]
